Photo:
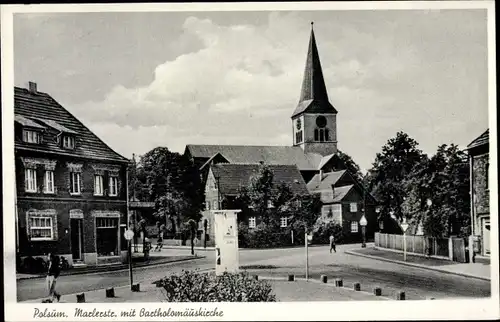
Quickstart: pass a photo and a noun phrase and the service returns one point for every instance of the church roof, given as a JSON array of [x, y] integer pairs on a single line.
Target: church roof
[[232, 177], [252, 154], [313, 96], [36, 109]]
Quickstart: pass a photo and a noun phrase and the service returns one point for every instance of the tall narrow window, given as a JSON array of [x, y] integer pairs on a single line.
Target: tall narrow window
[[354, 226], [113, 186], [49, 181], [283, 222], [98, 185], [316, 135], [321, 135], [30, 180], [327, 135], [74, 178]]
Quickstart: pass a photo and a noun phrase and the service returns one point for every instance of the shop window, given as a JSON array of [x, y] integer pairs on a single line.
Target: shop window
[[107, 236]]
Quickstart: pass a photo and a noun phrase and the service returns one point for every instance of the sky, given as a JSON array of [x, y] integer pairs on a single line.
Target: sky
[[141, 80]]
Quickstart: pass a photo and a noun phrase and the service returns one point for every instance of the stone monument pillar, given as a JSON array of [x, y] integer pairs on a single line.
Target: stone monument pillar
[[226, 241]]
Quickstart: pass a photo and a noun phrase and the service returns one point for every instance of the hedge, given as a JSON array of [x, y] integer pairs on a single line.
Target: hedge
[[190, 286]]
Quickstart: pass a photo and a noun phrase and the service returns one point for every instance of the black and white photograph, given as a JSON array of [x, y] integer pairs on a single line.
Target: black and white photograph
[[338, 156]]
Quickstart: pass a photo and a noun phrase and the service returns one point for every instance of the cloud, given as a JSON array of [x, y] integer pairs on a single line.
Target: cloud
[[222, 83]]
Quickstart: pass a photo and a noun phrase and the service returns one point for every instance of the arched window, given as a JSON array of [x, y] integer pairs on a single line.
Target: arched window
[[321, 135]]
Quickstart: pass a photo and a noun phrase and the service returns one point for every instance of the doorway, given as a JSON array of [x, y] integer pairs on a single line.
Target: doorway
[[76, 239], [486, 236]]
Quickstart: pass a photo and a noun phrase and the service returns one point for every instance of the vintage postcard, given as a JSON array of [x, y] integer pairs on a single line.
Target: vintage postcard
[[250, 161]]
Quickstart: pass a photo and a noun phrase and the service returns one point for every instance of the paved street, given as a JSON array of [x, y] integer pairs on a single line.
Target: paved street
[[417, 283]]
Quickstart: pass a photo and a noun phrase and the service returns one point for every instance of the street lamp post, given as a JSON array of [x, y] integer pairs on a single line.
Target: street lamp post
[[363, 222]]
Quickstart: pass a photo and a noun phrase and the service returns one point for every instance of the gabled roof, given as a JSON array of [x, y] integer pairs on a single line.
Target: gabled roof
[[336, 195], [324, 160], [329, 179], [313, 96], [232, 177], [215, 157], [249, 154], [483, 139], [41, 106]]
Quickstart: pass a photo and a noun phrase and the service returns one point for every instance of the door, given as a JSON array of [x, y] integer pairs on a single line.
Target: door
[[76, 239], [486, 236]]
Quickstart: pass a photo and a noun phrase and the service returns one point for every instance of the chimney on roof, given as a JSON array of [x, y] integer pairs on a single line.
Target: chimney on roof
[[320, 175], [32, 87]]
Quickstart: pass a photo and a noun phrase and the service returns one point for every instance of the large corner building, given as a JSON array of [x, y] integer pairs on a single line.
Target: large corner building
[[71, 187]]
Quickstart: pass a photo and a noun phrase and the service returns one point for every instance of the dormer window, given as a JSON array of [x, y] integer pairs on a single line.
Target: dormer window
[[68, 142], [30, 136]]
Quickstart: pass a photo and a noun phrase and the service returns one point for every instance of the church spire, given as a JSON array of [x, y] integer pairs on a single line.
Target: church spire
[[313, 83]]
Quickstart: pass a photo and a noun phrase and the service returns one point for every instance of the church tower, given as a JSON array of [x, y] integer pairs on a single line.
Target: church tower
[[314, 119]]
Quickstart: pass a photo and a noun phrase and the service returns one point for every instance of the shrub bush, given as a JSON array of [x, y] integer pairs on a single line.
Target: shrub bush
[[322, 232], [192, 286]]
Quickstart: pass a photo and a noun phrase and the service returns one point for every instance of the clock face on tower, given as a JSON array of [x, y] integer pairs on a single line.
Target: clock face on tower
[[321, 121], [299, 124]]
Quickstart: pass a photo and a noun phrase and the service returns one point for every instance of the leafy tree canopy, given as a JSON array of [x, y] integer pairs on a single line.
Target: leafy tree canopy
[[172, 182]]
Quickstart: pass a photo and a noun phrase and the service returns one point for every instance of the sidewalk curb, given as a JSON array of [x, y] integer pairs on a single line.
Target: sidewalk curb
[[350, 252], [145, 281], [116, 268], [302, 279]]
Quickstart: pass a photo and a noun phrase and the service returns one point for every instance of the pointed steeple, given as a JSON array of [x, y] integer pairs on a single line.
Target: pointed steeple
[[313, 84]]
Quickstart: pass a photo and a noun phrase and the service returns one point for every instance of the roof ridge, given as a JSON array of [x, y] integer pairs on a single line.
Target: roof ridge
[[86, 128]]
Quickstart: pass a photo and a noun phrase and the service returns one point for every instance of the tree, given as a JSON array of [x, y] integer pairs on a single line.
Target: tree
[[173, 183], [385, 180], [258, 194], [444, 180], [349, 165], [272, 201]]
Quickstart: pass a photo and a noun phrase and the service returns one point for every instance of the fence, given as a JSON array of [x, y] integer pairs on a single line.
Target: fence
[[453, 248]]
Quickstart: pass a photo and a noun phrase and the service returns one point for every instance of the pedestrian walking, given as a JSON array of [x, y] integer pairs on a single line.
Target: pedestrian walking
[[332, 244], [159, 241], [53, 273]]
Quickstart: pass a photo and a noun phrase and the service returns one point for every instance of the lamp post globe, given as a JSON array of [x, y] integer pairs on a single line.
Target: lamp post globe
[[363, 222]]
